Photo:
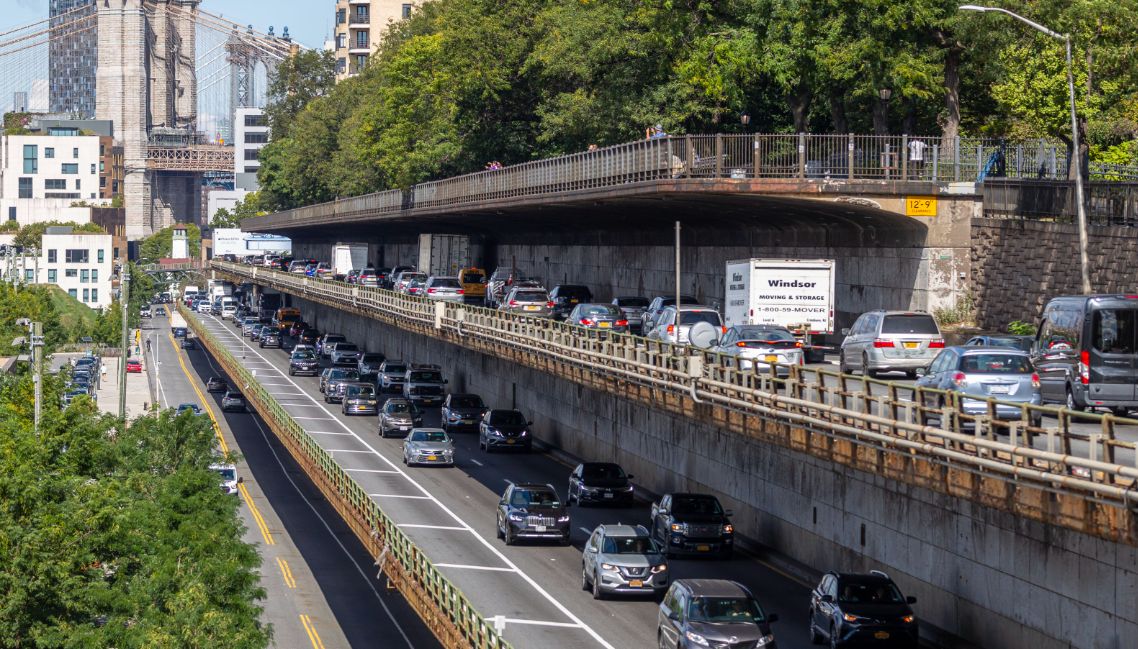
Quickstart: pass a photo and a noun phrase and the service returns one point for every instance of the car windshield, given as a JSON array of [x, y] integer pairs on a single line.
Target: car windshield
[[303, 356], [426, 377], [507, 418], [599, 310], [428, 436], [869, 592], [764, 333], [602, 471], [347, 347], [916, 323], [995, 364], [344, 374], [534, 498], [1022, 343], [725, 610], [399, 408], [410, 277], [330, 339], [233, 395], [372, 358], [579, 292], [227, 474], [633, 302], [445, 282], [684, 299], [628, 545], [394, 369], [531, 296], [470, 401], [695, 505], [361, 391], [693, 317]]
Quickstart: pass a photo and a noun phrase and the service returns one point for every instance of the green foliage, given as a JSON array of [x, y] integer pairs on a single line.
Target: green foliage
[[32, 235], [1021, 328], [118, 539], [160, 244], [298, 80], [17, 123], [62, 317], [243, 209], [961, 313]]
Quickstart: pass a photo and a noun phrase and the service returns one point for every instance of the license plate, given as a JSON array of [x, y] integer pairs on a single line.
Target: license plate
[[608, 495], [998, 389], [432, 457], [636, 583], [909, 345], [531, 308], [466, 421], [881, 635], [604, 325], [539, 528], [703, 548], [571, 301], [771, 359], [509, 441], [404, 428]]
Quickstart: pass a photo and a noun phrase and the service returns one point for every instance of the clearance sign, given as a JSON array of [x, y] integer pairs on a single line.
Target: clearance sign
[[920, 206]]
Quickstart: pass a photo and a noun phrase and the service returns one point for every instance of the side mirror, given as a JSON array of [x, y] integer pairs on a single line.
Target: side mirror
[[772, 618], [728, 513], [673, 616], [591, 548], [828, 599], [911, 600], [445, 381], [921, 371], [630, 476], [529, 423]]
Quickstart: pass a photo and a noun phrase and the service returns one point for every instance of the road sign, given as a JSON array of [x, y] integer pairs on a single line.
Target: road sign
[[920, 206]]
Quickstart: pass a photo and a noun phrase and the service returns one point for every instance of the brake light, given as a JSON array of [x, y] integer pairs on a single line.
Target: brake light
[[798, 343], [723, 329], [936, 344], [882, 344], [461, 291], [741, 344], [513, 302], [1085, 367], [549, 304], [959, 379], [587, 322], [622, 323], [671, 329], [1035, 380], [431, 290]]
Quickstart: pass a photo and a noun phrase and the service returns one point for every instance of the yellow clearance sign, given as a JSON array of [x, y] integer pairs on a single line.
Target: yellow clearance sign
[[920, 206]]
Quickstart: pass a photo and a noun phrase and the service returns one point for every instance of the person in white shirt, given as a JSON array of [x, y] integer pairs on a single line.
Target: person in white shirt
[[917, 158]]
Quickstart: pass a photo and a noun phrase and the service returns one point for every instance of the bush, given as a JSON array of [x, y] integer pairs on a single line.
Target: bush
[[1021, 328], [960, 314]]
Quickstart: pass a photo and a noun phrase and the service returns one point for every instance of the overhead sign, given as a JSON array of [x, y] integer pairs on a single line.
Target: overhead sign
[[920, 206]]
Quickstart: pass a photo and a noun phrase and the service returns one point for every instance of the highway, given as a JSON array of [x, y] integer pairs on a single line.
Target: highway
[[320, 582], [449, 513]]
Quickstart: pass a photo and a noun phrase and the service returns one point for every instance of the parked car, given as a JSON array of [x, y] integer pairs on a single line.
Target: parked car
[[700, 613], [888, 341], [424, 384], [633, 308], [334, 379], [983, 373], [658, 304], [691, 523], [359, 399], [667, 329], [323, 344], [345, 353], [623, 560], [216, 384], [428, 446], [599, 482], [532, 511], [462, 412], [862, 609], [504, 429], [599, 317], [447, 289], [303, 362], [398, 417], [567, 296], [233, 401], [392, 374], [1086, 352], [270, 339], [1022, 343], [762, 347], [533, 302], [133, 366]]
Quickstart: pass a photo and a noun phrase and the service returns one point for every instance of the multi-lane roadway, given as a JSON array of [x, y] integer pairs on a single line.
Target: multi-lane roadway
[[534, 591]]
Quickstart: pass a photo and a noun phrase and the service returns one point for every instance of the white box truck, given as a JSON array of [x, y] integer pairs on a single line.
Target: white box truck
[[794, 293], [347, 257]]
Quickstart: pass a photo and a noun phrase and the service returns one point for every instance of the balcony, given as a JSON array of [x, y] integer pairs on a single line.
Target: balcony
[[358, 20]]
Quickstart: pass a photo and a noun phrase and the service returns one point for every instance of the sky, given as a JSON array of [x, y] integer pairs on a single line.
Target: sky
[[309, 21]]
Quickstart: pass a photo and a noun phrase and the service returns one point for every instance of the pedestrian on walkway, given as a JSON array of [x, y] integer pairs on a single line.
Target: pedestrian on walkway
[[916, 158], [147, 345]]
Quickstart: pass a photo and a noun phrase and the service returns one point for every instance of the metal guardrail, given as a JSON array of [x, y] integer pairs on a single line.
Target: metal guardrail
[[758, 156], [441, 605], [894, 419]]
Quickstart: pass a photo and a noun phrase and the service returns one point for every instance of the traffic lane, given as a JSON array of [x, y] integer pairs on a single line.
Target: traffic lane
[[630, 621], [516, 590], [336, 562]]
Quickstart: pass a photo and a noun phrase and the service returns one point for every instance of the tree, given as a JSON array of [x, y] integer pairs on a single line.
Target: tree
[[298, 80], [160, 244], [31, 235], [243, 209]]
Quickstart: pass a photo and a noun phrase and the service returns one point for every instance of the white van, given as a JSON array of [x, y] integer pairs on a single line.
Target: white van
[[228, 308]]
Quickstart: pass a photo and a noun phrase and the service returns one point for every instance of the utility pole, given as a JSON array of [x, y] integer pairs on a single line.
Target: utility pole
[[124, 298], [37, 364], [677, 278]]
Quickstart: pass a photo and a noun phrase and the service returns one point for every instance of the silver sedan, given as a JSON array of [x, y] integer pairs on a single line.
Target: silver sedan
[[428, 446], [981, 373], [762, 346]]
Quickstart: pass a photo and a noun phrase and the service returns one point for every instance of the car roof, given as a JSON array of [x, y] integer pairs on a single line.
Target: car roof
[[971, 350], [589, 464], [714, 588], [534, 485], [621, 529], [875, 576]]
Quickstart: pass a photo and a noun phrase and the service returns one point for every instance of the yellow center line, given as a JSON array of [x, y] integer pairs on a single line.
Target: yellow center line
[[221, 440], [313, 636], [286, 572]]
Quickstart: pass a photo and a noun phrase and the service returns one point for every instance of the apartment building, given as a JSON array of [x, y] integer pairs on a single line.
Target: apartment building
[[42, 176], [359, 30], [80, 263], [250, 135]]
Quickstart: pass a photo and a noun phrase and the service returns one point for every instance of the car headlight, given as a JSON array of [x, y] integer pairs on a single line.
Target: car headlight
[[696, 638], [517, 518], [680, 527], [663, 567], [849, 617], [494, 432], [728, 529], [523, 433], [765, 640], [628, 488], [563, 518], [607, 566]]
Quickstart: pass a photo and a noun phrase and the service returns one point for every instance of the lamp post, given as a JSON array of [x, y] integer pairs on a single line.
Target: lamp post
[[745, 120], [124, 299], [35, 341], [1080, 210]]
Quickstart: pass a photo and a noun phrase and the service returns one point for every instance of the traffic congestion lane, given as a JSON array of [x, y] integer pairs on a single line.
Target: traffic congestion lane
[[319, 580], [471, 491]]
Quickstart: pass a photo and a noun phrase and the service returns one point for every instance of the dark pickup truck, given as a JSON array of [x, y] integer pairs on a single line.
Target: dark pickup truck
[[687, 523]]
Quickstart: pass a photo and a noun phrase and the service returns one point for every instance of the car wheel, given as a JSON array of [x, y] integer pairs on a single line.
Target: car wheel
[[498, 529], [405, 460], [865, 371], [584, 577], [509, 538], [1120, 412], [1072, 403], [833, 638], [597, 593], [290, 372], [842, 367], [815, 637]]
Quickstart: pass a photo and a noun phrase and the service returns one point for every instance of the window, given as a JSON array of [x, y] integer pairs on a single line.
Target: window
[[406, 10], [102, 167], [70, 272], [78, 183], [77, 255], [115, 186], [361, 13], [55, 183], [341, 16], [251, 169], [73, 293], [51, 257], [256, 138], [84, 276], [93, 168], [102, 149], [99, 254], [75, 153], [255, 120], [94, 295], [1114, 331], [86, 295], [12, 213], [361, 39], [31, 159], [252, 154], [341, 65], [341, 42], [102, 182], [94, 275], [48, 152], [29, 275], [25, 188], [52, 275], [70, 168], [361, 61]]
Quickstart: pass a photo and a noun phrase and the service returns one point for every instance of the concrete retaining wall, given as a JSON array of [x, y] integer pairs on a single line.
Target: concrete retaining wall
[[990, 577]]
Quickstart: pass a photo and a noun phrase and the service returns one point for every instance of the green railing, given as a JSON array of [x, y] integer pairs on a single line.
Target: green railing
[[444, 608]]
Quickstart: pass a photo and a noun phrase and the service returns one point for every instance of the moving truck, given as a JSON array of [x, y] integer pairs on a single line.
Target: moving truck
[[177, 324], [347, 257], [794, 293]]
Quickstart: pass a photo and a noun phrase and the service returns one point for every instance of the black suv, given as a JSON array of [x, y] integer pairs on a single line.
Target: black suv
[[567, 296], [504, 429], [687, 523], [853, 609], [462, 412], [303, 362], [599, 482], [699, 613], [532, 511]]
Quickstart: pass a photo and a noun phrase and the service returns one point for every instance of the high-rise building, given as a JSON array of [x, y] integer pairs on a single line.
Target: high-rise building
[[73, 57], [359, 30], [251, 134]]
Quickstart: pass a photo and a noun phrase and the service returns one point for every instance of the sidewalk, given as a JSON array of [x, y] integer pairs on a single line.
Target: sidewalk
[[137, 390]]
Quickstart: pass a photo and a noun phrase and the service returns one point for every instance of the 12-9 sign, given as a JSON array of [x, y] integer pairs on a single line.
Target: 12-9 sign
[[920, 206]]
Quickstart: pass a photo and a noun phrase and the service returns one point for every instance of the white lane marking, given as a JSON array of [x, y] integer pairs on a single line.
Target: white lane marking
[[399, 496], [485, 543], [431, 527], [585, 530], [461, 566], [345, 450], [325, 432], [315, 418], [370, 471], [476, 462], [305, 405], [565, 625]]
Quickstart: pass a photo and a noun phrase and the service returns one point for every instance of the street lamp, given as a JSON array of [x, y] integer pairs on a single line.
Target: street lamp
[[1084, 260], [35, 341], [745, 120]]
